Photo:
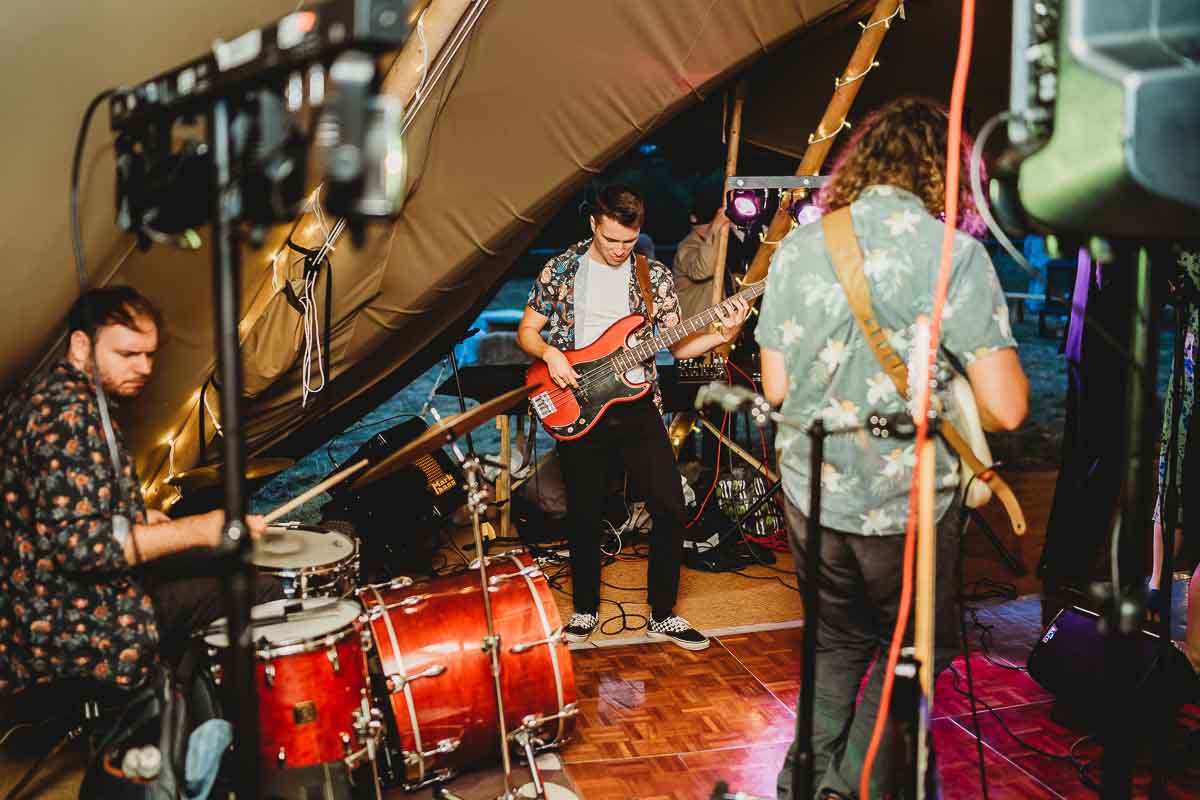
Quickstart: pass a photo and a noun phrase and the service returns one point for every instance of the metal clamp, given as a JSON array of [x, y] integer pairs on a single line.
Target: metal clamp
[[332, 655], [396, 682]]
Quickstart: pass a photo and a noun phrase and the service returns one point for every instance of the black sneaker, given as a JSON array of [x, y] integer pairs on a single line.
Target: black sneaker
[[677, 630], [580, 627]]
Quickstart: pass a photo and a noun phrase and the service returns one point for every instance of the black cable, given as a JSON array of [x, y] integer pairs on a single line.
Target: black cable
[[121, 529]]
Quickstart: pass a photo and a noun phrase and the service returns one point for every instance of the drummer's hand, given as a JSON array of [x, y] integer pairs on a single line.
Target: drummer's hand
[[257, 524], [561, 371], [213, 524], [156, 517]]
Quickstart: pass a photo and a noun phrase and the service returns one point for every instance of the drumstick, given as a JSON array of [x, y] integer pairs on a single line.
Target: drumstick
[[301, 499]]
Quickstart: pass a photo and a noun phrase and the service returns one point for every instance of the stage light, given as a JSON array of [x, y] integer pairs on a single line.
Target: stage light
[[744, 207], [804, 213]]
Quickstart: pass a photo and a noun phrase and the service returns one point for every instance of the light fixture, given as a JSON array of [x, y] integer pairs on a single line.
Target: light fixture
[[744, 207]]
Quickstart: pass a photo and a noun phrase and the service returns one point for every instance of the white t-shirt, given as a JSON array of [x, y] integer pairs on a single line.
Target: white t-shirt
[[606, 302], [607, 299]]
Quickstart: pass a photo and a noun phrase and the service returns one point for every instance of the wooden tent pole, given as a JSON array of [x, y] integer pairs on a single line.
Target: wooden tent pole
[[925, 593], [833, 121], [731, 159]]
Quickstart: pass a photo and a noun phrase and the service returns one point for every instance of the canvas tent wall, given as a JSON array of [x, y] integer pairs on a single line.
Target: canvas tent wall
[[543, 94]]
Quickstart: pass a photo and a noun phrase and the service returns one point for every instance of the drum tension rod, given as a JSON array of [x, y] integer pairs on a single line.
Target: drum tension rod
[[532, 722], [524, 572], [525, 647], [444, 747], [396, 682]]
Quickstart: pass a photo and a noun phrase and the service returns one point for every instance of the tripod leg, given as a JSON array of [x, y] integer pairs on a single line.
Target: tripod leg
[[1010, 559]]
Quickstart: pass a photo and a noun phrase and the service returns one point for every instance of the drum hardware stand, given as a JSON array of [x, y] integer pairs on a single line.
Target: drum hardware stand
[[476, 501]]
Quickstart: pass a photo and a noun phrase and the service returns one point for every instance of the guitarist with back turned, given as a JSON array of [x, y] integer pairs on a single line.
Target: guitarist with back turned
[[582, 293]]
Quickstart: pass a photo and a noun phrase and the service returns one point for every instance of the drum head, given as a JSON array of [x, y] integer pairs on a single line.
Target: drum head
[[289, 621], [284, 548]]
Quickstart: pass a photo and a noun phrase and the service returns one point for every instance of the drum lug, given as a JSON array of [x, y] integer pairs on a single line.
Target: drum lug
[[332, 655], [444, 747], [523, 572], [412, 600], [396, 682], [269, 674], [368, 641], [345, 737], [281, 758], [525, 647]]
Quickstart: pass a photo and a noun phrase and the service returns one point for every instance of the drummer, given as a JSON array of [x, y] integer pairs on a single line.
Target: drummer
[[81, 596]]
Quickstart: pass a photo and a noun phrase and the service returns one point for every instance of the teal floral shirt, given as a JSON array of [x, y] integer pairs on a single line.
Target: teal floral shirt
[[832, 371]]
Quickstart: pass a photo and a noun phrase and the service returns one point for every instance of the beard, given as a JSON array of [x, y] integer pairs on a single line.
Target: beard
[[125, 390]]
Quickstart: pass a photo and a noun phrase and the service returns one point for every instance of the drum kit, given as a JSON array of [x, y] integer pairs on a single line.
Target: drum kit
[[402, 683]]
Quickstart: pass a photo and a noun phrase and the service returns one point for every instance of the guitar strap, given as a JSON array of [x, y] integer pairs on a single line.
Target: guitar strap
[[847, 257], [641, 268]]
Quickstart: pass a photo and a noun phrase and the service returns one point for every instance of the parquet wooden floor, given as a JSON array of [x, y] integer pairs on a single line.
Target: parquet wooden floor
[[661, 723]]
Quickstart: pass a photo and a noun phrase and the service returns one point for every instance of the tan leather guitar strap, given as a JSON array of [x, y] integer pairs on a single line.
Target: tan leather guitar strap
[[642, 269], [847, 257]]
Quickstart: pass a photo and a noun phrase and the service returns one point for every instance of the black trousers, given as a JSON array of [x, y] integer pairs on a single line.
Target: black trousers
[[187, 596], [635, 432], [859, 588]]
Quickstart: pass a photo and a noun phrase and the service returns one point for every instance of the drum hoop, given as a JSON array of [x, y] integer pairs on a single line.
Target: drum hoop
[[558, 687], [292, 647], [399, 655]]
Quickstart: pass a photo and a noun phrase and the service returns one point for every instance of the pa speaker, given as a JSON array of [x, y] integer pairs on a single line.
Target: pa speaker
[[1069, 662]]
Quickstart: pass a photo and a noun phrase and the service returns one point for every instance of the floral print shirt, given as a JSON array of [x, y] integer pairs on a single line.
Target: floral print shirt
[[832, 371], [67, 606], [1181, 392], [553, 296]]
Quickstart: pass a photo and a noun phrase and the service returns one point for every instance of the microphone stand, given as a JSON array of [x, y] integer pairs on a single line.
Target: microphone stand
[[802, 766]]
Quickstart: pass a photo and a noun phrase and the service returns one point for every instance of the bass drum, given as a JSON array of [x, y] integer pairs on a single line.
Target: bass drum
[[437, 676]]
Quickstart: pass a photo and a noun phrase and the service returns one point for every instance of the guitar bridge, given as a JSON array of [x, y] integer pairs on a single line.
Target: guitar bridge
[[543, 405]]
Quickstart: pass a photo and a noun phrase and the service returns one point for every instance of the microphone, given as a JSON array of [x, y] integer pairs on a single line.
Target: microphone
[[732, 399]]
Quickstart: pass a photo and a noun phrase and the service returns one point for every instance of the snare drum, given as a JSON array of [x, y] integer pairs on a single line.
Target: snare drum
[[311, 677], [438, 677], [310, 561]]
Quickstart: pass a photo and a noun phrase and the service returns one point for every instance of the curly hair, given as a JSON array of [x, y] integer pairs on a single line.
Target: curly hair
[[902, 144]]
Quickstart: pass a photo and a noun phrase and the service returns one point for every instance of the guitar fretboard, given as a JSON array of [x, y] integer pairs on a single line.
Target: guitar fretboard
[[636, 355]]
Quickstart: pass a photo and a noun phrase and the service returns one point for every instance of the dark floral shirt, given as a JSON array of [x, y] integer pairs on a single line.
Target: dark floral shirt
[[67, 606], [553, 296]]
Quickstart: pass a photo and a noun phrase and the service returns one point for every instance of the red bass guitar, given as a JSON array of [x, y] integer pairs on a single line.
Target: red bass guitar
[[569, 413]]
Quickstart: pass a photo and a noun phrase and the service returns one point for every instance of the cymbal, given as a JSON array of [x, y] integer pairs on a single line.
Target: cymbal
[[206, 477], [441, 433]]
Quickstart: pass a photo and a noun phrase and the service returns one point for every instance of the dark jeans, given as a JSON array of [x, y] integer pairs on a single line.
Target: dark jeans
[[188, 596], [859, 589], [635, 432]]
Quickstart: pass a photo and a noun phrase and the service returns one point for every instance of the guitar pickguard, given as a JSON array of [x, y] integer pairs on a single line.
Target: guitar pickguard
[[599, 387]]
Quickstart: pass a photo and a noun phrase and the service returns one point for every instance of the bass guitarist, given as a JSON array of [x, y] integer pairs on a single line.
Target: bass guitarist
[[580, 293]]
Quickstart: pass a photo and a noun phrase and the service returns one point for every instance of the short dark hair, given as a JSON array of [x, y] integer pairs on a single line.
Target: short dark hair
[[620, 203], [111, 305]]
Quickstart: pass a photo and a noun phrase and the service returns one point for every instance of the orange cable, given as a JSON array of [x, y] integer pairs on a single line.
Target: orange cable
[[953, 164]]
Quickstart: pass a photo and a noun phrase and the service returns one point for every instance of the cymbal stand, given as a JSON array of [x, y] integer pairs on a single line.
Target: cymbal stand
[[476, 501]]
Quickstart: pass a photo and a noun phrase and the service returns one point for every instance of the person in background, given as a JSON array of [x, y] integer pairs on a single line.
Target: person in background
[[815, 362], [696, 260]]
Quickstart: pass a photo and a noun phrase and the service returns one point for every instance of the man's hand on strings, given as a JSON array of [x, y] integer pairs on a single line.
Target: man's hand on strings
[[733, 312], [561, 371]]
